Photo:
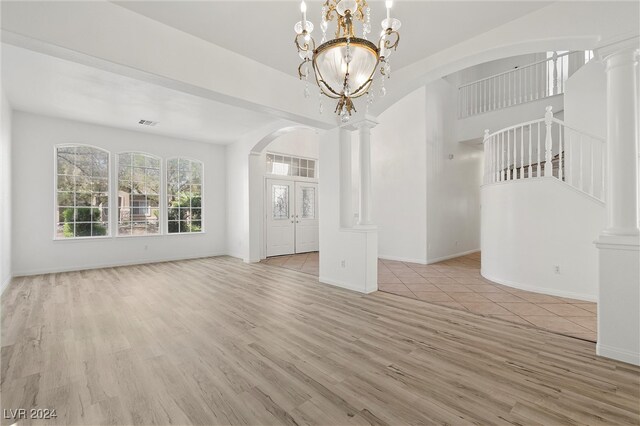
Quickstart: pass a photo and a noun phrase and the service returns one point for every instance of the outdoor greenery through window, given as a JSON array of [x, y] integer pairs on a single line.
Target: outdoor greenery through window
[[184, 196], [82, 196], [138, 194]]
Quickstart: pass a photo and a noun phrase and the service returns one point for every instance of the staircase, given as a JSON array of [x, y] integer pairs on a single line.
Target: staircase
[[546, 148]]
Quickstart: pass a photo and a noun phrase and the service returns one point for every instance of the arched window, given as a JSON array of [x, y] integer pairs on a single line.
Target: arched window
[[82, 192], [138, 194], [184, 196]]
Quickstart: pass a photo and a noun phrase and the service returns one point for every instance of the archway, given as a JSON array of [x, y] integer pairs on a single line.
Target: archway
[[256, 183]]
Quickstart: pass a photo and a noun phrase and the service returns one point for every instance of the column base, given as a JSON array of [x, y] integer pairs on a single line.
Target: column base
[[619, 298]]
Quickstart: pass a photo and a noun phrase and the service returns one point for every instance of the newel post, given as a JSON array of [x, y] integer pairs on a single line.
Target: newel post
[[548, 142]]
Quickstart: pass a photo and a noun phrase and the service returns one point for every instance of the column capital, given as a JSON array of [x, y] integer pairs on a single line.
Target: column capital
[[365, 120], [622, 44]]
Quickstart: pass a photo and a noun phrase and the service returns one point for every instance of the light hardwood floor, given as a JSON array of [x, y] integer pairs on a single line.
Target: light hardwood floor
[[216, 341]]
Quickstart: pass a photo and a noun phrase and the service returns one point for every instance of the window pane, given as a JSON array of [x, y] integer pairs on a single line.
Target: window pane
[[83, 192], [66, 183], [184, 200], [65, 199], [124, 228], [138, 203], [99, 229], [173, 227], [280, 202], [308, 202], [290, 166]]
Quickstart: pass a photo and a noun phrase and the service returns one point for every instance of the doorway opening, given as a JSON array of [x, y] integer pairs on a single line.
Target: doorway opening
[[290, 200]]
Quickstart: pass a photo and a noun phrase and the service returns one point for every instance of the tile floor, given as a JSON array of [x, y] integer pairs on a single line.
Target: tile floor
[[457, 283], [305, 262]]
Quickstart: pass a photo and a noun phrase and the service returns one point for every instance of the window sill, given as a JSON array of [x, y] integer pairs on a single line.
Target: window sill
[[78, 239]]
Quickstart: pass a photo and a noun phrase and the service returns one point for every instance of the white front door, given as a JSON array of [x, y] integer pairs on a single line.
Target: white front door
[[306, 217], [280, 218], [291, 217]]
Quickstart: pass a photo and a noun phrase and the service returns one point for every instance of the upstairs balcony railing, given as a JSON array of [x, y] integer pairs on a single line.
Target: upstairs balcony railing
[[546, 148], [531, 82]]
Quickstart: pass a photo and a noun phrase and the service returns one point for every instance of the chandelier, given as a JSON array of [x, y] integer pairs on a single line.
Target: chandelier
[[345, 66]]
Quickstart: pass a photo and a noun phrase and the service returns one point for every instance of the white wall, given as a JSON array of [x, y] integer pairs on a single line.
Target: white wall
[[399, 179], [300, 143], [487, 69], [453, 184], [35, 251], [237, 163], [531, 226], [348, 256], [473, 127], [426, 206], [5, 193], [585, 100]]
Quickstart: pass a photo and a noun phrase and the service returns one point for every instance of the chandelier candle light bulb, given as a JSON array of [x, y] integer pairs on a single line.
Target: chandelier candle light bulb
[[303, 10], [345, 66]]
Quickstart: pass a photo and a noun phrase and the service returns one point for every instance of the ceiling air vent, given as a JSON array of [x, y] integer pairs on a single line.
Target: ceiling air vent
[[147, 122]]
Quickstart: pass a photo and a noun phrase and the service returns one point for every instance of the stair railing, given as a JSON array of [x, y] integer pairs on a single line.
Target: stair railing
[[531, 82], [546, 148]]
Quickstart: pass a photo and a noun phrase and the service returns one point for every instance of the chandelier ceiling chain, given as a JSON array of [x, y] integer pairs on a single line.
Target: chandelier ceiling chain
[[344, 67]]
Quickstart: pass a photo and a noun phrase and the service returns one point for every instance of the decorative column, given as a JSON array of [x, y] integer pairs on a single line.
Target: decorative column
[[346, 187], [364, 130], [619, 243], [622, 139]]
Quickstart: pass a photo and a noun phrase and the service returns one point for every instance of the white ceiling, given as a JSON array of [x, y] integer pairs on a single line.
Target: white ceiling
[[263, 30], [46, 85]]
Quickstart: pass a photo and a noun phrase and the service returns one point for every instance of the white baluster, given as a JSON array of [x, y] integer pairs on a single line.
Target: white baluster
[[508, 155], [485, 144], [484, 97], [562, 68], [521, 152], [503, 175], [493, 92], [555, 73], [569, 157], [580, 167], [560, 152], [520, 92], [515, 154], [548, 143], [494, 168], [536, 82], [538, 171], [530, 130]]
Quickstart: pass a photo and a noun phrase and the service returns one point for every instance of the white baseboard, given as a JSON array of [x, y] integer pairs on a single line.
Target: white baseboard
[[542, 290], [5, 284], [402, 259], [618, 354], [451, 256], [344, 285], [428, 261], [25, 273]]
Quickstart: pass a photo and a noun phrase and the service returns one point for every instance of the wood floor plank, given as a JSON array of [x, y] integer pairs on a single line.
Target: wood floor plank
[[217, 341]]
